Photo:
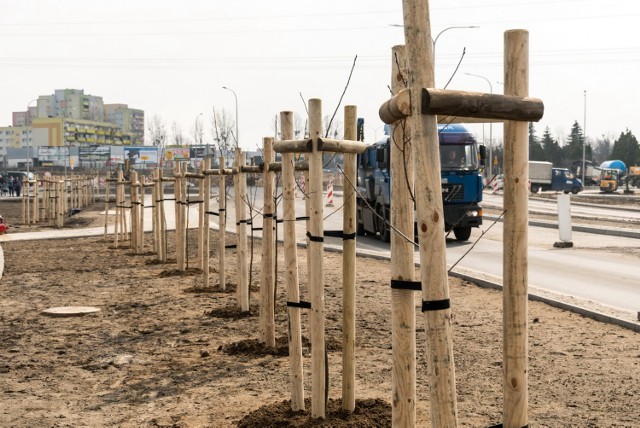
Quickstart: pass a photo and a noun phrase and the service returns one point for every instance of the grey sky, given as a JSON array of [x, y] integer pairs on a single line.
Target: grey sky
[[173, 58]]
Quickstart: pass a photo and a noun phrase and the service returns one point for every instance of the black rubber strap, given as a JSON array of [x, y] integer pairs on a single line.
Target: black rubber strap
[[195, 202], [315, 238], [399, 284], [303, 218], [301, 304], [256, 228], [231, 246], [136, 203], [435, 305], [500, 426], [221, 210], [167, 199], [267, 215], [238, 223], [149, 206], [211, 213], [339, 234], [279, 220]]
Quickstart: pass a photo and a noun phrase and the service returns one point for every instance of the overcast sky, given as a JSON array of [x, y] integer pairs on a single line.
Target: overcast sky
[[172, 59]]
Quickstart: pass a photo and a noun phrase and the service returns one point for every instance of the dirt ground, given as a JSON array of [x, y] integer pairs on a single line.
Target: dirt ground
[[162, 354]]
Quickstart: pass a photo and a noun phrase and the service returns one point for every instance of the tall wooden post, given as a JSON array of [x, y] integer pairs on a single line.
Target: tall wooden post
[[36, 201], [515, 275], [316, 268], [349, 266], [107, 185], [428, 195], [242, 219], [203, 217], [135, 222], [204, 222], [403, 320], [222, 222], [267, 285], [154, 209], [291, 265], [162, 226]]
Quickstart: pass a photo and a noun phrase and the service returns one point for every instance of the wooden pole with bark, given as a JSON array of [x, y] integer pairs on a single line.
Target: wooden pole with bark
[[515, 265], [403, 319], [316, 267], [349, 266], [222, 223], [291, 266], [107, 187], [430, 215], [242, 220], [267, 279], [205, 192]]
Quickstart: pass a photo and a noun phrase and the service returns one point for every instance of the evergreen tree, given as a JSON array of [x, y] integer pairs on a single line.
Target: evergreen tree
[[627, 149], [535, 148], [551, 149], [573, 150]]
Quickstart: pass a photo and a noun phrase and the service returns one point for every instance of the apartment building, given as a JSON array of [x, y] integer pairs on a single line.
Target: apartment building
[[71, 117]]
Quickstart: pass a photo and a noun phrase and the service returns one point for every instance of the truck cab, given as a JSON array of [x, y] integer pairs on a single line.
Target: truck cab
[[564, 180], [461, 159]]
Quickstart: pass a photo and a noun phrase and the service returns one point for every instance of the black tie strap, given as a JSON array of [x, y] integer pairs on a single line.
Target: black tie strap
[[315, 238], [230, 246], [238, 223], [301, 304], [399, 284], [211, 213], [339, 234], [267, 215], [435, 305], [302, 218]]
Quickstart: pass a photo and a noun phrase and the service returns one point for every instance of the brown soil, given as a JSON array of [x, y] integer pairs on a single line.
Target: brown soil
[[163, 352]]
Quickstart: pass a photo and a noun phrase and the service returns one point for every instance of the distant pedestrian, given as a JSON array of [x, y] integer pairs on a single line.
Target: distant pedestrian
[[10, 185], [17, 187]]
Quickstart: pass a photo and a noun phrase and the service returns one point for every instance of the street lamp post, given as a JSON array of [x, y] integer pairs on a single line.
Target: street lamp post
[[236, 98], [490, 124], [435, 40]]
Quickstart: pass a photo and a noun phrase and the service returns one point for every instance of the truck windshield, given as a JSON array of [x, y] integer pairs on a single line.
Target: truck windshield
[[457, 157]]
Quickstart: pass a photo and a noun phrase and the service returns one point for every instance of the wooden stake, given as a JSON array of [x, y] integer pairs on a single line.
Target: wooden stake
[[349, 266], [316, 268], [107, 185], [267, 285], [291, 266], [403, 319], [222, 222], [515, 275], [242, 218], [428, 195], [204, 226], [162, 225]]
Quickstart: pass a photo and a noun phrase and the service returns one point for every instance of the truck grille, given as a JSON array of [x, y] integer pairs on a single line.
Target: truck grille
[[453, 192]]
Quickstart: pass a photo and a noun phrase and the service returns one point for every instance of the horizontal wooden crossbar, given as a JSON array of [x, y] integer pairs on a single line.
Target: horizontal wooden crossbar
[[324, 145], [464, 106]]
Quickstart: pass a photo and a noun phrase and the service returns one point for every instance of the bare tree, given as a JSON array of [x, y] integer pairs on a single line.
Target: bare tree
[[177, 137], [223, 132], [157, 132]]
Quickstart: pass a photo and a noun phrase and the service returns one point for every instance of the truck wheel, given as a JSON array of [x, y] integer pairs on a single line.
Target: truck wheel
[[462, 233], [535, 188], [381, 225], [575, 190]]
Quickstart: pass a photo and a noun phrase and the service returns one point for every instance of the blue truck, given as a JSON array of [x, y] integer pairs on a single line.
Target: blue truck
[[543, 176], [461, 162]]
